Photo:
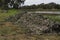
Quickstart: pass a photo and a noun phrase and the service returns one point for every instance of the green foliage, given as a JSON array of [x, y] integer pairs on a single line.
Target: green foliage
[[4, 15], [43, 6], [4, 3], [55, 18]]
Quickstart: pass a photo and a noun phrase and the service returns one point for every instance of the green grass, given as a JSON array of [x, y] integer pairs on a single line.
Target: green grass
[[53, 17], [4, 15]]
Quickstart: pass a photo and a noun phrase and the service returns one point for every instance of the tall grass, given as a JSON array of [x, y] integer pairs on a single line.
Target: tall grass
[[55, 18], [4, 15]]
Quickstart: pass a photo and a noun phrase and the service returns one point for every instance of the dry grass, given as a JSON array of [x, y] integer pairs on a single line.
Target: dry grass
[[8, 31]]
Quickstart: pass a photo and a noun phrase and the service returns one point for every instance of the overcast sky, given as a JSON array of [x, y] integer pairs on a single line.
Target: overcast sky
[[31, 2]]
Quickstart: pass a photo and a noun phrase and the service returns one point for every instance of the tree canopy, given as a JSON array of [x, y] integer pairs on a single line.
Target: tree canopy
[[11, 3]]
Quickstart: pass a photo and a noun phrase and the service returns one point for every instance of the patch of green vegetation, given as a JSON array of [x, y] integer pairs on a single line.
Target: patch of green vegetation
[[53, 17], [8, 13]]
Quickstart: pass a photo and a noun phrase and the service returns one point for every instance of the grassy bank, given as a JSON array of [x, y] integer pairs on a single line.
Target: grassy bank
[[11, 12], [9, 31], [4, 14], [55, 18]]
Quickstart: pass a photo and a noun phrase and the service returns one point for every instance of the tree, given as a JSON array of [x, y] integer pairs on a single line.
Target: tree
[[0, 3], [17, 3], [14, 3]]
